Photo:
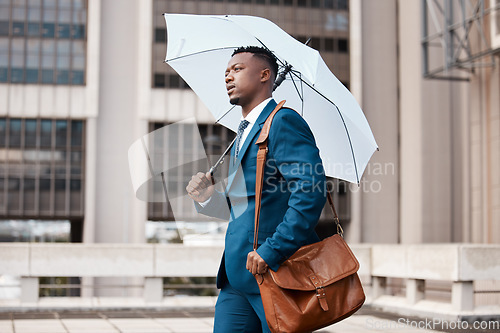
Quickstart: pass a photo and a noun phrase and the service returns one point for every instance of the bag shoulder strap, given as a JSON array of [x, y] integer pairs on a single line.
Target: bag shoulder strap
[[259, 180]]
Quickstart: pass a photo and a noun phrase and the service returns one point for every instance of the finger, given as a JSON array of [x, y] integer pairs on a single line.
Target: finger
[[255, 268], [248, 266], [262, 268], [208, 176]]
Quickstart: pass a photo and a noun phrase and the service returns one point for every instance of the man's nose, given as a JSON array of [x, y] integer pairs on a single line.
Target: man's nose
[[229, 78]]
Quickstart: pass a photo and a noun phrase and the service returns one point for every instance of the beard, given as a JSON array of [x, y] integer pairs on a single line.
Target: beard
[[234, 100]]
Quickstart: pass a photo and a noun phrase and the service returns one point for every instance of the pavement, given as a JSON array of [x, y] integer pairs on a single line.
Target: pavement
[[161, 322], [183, 315]]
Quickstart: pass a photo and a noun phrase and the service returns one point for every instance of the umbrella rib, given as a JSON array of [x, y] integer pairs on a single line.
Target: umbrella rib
[[225, 113], [341, 117], [298, 92], [200, 52]]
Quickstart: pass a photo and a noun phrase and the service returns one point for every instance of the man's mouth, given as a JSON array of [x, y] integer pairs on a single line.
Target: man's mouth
[[229, 89]]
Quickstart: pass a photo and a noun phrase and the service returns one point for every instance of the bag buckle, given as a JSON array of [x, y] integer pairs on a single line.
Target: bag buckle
[[320, 293]]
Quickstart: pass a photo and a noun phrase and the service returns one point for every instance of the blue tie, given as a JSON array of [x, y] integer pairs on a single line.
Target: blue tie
[[241, 128]]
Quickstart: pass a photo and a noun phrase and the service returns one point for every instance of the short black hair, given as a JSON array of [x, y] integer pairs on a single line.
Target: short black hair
[[262, 53]]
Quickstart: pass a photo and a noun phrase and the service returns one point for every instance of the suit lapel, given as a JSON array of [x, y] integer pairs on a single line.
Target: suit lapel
[[249, 140]]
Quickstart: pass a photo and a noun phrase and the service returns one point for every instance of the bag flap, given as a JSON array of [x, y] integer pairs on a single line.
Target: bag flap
[[327, 261]]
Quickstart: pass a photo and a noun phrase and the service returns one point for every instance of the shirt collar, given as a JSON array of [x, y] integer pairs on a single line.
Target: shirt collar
[[256, 111]]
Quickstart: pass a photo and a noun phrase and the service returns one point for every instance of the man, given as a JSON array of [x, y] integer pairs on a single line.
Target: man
[[293, 192]]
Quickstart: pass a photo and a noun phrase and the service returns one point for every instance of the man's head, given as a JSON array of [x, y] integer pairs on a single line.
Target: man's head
[[250, 76], [263, 54]]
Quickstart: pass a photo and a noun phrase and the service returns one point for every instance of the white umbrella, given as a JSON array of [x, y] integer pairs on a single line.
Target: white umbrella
[[200, 46]]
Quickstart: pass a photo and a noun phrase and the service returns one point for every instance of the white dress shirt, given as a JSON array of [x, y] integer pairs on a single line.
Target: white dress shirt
[[252, 118]]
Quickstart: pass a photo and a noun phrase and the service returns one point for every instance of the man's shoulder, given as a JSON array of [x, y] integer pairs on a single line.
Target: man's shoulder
[[288, 117]]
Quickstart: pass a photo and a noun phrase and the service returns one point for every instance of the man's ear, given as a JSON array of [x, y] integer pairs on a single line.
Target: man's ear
[[265, 75]]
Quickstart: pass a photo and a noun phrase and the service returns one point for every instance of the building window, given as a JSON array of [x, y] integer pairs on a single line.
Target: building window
[[343, 46], [160, 35], [41, 168], [43, 42], [171, 81]]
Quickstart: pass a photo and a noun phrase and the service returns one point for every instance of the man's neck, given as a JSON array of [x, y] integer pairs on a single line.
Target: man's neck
[[246, 109]]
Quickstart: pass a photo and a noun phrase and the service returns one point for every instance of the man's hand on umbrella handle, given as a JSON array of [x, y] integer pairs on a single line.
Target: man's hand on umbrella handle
[[255, 263], [200, 187]]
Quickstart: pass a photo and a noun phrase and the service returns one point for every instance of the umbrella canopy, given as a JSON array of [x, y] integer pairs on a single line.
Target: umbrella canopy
[[200, 46]]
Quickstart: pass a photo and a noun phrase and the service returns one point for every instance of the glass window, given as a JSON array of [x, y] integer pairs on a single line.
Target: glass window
[[48, 30], [34, 29], [32, 60], [17, 61], [61, 133], [33, 53], [76, 133], [342, 4], [316, 3], [63, 30], [160, 35], [46, 133], [3, 131], [44, 195], [34, 3], [343, 45], [62, 77], [17, 52], [3, 74], [29, 194], [77, 77], [78, 31], [302, 3], [32, 75], [17, 28], [4, 11], [48, 53], [16, 75], [30, 133], [4, 59], [174, 81], [47, 76], [329, 4], [19, 12], [159, 80], [13, 202], [4, 27], [65, 4], [78, 4], [15, 133], [49, 11], [34, 13], [78, 55], [329, 44]]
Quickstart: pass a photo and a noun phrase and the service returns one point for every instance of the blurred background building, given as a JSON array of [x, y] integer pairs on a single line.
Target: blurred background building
[[80, 81]]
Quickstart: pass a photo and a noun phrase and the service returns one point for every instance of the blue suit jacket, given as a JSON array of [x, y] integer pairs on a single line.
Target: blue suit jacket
[[292, 200]]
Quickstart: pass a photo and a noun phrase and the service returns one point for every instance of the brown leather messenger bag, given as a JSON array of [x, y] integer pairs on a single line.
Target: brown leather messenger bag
[[318, 285]]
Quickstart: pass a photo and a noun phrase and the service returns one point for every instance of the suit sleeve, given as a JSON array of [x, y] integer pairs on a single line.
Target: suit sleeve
[[293, 148], [217, 207]]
